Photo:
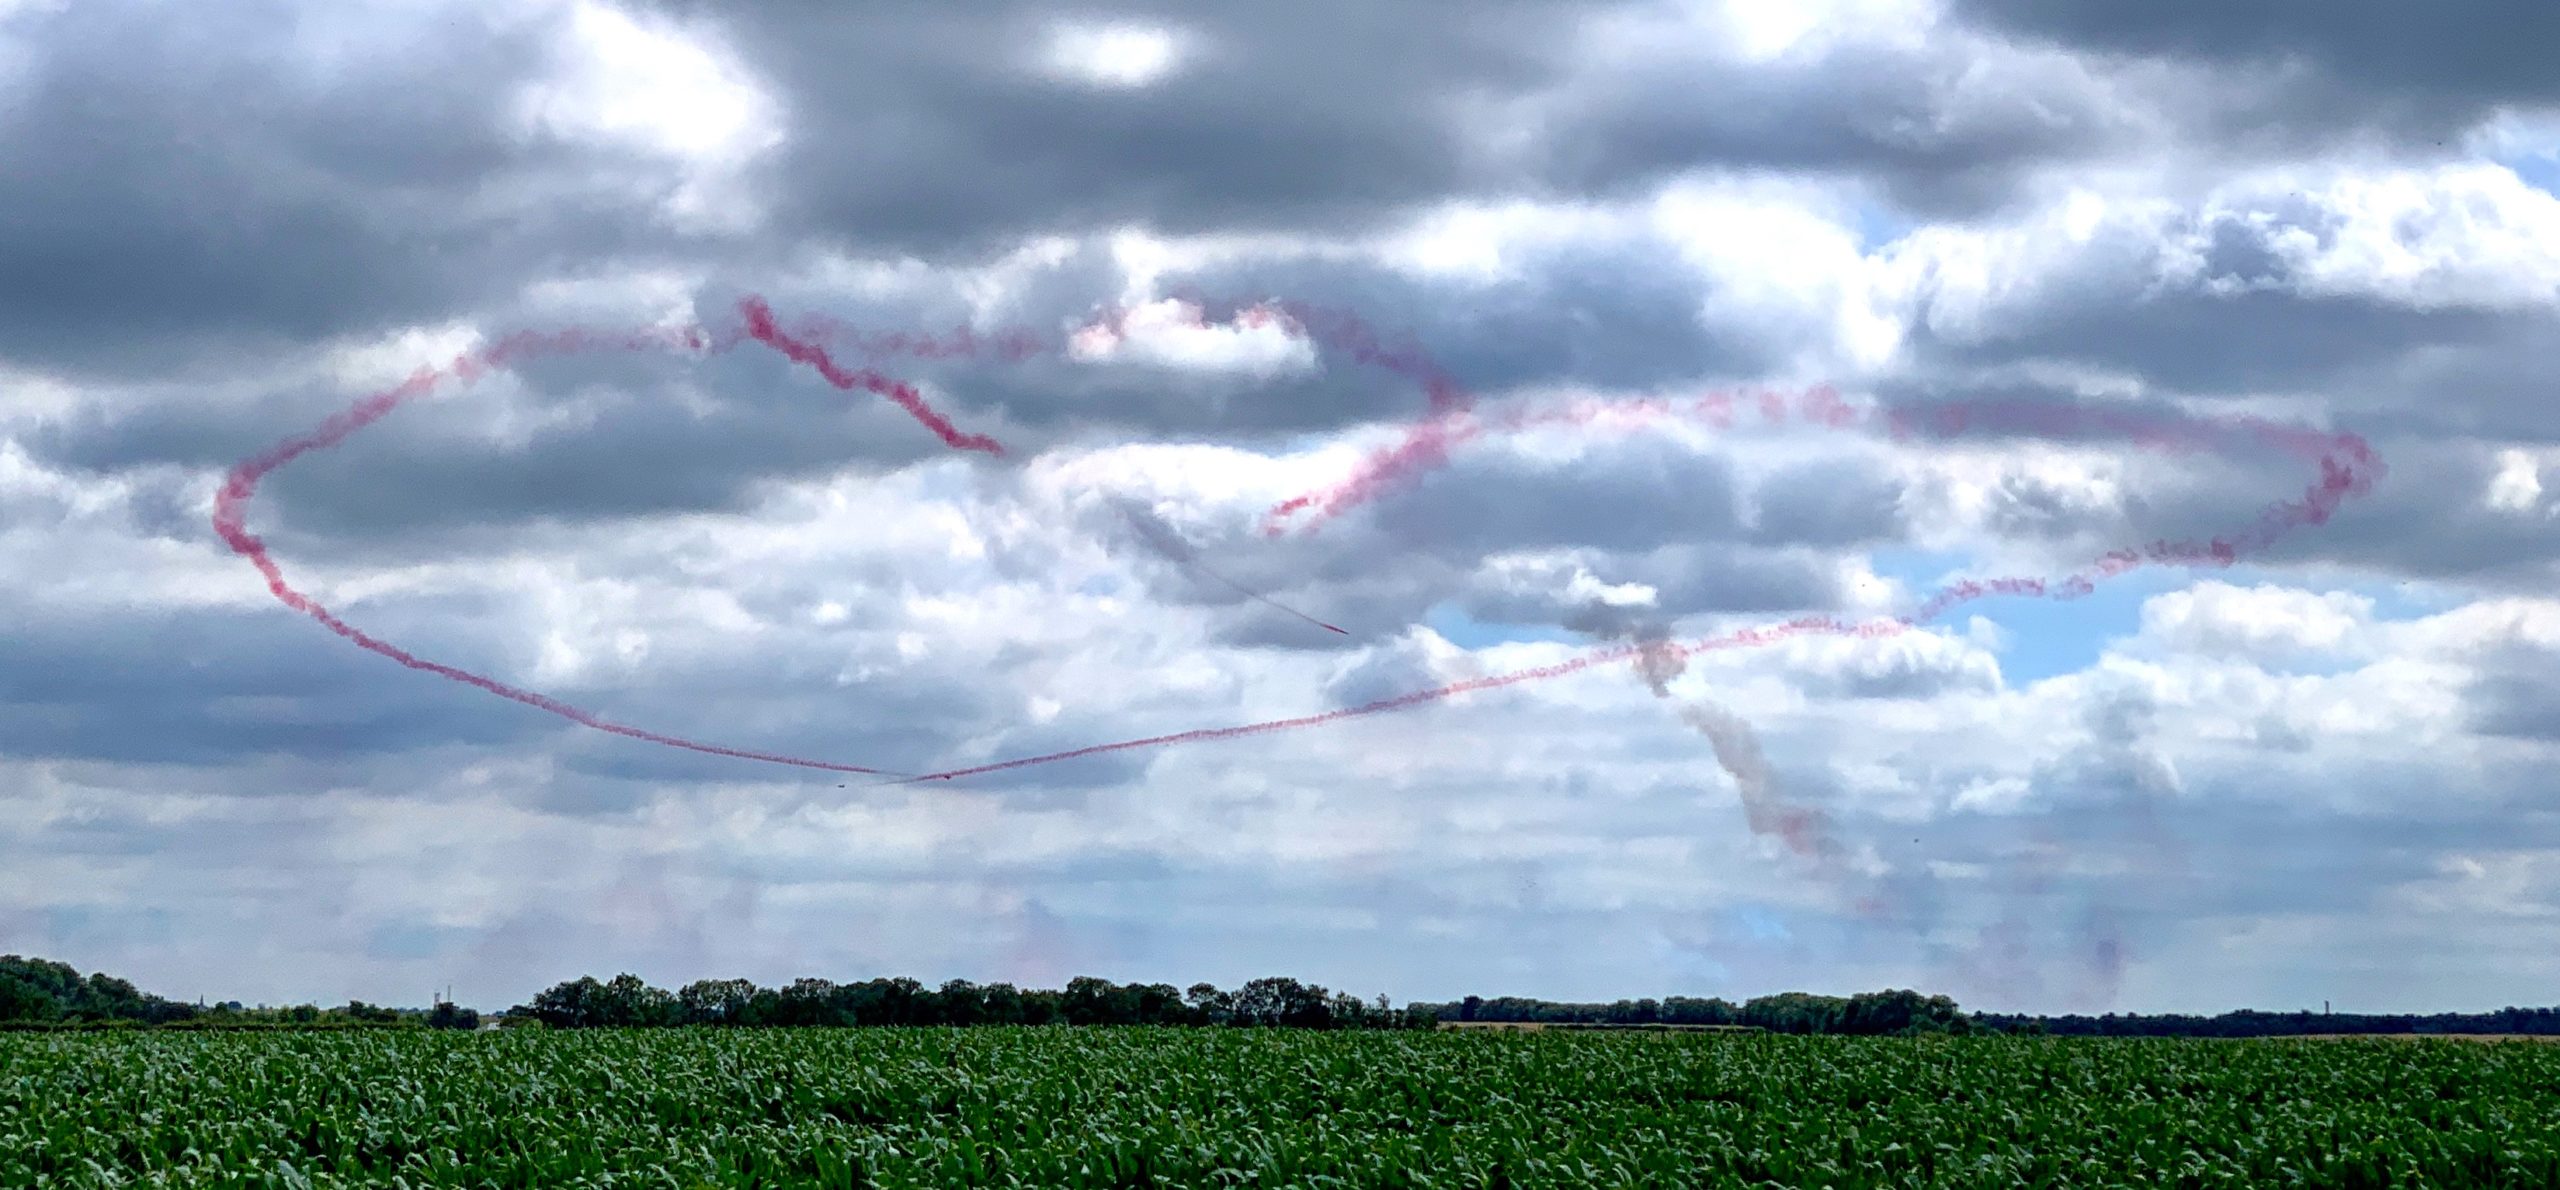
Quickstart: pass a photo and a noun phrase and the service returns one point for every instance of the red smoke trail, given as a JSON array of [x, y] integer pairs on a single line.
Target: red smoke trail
[[1809, 625], [760, 326], [1015, 345], [2348, 468], [240, 486], [231, 505], [1424, 447], [1427, 444]]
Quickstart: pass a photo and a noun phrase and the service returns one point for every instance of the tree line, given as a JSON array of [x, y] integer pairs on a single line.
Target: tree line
[[1904, 1011], [1867, 1013], [2249, 1022], [626, 1001], [40, 993]]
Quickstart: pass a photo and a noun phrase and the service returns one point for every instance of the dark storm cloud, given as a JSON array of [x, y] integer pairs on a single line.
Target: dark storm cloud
[[1831, 502], [184, 180], [1623, 496], [2517, 695], [208, 687], [927, 127], [932, 129], [1606, 311], [2429, 518], [606, 439], [2196, 341], [2420, 65], [2492, 384], [1946, 126], [215, 687], [2246, 320], [781, 696]]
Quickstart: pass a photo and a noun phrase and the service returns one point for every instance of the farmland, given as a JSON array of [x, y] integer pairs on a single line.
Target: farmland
[[1064, 1107]]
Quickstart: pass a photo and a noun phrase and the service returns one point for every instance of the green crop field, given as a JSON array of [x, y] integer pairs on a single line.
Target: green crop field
[[1209, 1107]]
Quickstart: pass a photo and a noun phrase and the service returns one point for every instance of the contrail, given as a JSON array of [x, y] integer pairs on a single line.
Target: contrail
[[1165, 542]]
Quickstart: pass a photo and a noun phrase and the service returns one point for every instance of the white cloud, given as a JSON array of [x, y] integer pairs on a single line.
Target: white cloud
[[2470, 235], [664, 90], [1115, 55], [2263, 622], [2306, 757]]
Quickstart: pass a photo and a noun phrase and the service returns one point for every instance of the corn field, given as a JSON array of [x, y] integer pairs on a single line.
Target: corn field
[[1058, 1107]]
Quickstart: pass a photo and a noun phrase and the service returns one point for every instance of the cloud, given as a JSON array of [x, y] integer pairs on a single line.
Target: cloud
[[188, 195], [2364, 62], [2181, 790]]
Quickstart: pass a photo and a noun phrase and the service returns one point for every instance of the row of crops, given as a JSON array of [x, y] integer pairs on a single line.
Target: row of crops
[[1060, 1107]]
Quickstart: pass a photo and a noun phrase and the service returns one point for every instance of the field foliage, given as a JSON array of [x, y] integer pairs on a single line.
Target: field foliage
[[1067, 1107]]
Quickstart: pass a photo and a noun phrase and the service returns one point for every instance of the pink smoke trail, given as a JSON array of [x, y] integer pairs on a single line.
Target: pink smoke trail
[[2348, 468], [760, 326], [240, 485], [231, 504]]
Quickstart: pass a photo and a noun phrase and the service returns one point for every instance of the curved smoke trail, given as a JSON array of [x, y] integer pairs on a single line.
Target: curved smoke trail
[[231, 504], [240, 486], [2348, 467]]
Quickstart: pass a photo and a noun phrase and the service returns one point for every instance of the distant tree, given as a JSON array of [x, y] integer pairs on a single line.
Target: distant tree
[[1158, 1004], [1091, 1001], [961, 1002], [808, 1002], [631, 1001], [715, 1001], [1795, 1012], [1002, 1004], [23, 1000], [1208, 1005], [898, 1001], [1281, 1001], [448, 1015], [1684, 1010], [571, 1004]]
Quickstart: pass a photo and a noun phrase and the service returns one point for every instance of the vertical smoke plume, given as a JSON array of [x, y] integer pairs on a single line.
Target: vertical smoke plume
[[1805, 830], [1165, 542]]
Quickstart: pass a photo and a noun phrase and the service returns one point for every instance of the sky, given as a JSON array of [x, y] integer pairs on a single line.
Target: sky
[[2317, 774]]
